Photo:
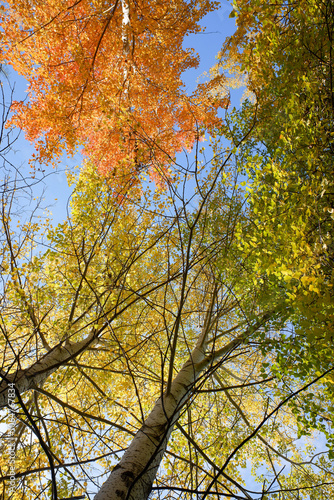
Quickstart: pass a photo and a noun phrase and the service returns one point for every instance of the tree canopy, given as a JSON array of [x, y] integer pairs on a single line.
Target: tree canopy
[[99, 65], [284, 53], [165, 338]]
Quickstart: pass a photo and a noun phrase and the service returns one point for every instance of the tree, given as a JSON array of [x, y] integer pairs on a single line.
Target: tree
[[148, 335], [284, 52], [142, 333], [108, 78]]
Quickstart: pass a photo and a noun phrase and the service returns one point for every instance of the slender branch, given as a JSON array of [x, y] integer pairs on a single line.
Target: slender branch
[[264, 420]]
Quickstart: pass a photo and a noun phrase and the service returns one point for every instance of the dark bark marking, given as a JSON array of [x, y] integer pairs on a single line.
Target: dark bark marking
[[128, 478]]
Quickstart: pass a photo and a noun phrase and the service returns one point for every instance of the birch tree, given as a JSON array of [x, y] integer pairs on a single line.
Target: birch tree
[[143, 332], [150, 349]]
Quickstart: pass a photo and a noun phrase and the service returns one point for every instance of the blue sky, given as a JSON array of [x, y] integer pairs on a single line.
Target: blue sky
[[218, 26]]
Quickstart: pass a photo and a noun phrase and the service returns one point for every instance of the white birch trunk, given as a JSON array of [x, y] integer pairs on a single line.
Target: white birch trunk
[[133, 477], [36, 374], [126, 42]]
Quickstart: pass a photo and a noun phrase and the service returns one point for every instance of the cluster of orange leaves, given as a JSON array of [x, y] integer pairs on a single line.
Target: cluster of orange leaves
[[127, 109]]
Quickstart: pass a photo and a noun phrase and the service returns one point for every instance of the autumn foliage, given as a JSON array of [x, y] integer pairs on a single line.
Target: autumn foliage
[[283, 52], [107, 77], [161, 344]]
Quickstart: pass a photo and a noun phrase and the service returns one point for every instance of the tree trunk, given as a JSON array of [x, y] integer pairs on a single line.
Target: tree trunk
[[133, 477], [36, 374]]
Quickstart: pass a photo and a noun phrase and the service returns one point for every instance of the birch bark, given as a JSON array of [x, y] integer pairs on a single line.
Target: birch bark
[[133, 477], [37, 373], [126, 43]]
